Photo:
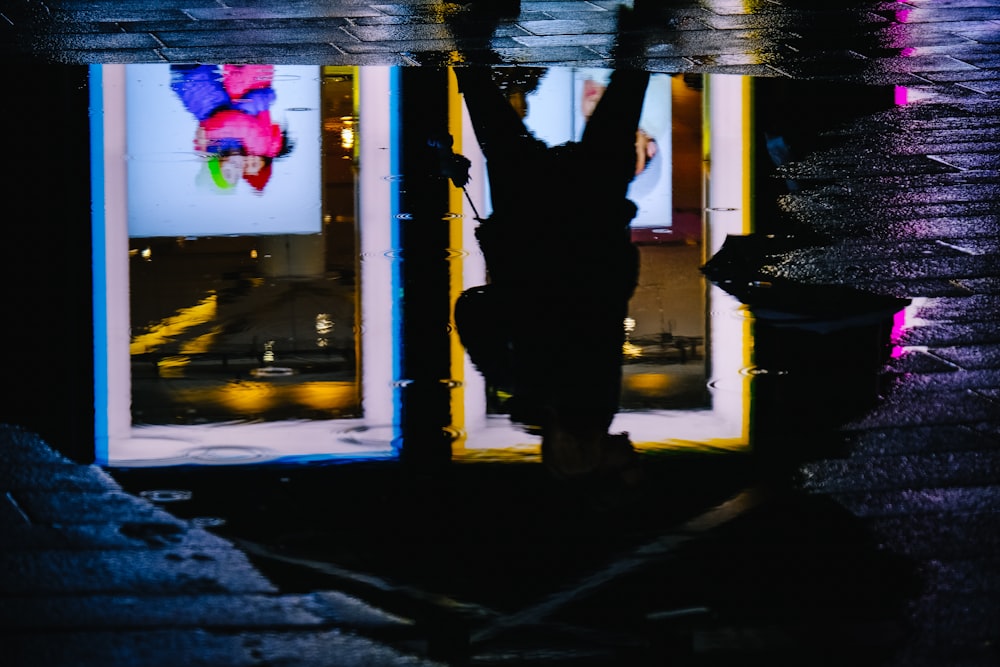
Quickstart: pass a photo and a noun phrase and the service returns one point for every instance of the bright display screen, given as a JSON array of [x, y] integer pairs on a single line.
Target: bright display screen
[[218, 150]]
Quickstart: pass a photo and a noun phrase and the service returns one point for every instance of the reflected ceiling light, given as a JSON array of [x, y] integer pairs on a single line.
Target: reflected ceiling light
[[630, 350], [324, 324], [347, 133]]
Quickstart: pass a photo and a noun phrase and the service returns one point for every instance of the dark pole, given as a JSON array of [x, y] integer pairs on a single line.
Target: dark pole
[[424, 273]]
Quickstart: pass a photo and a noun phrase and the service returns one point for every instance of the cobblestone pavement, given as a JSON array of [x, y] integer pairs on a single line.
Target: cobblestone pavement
[[882, 553]]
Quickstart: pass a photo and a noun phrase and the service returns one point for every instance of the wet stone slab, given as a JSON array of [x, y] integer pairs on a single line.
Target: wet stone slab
[[20, 447], [91, 41], [87, 507], [965, 576], [602, 42], [201, 648], [990, 285], [282, 54], [947, 625], [325, 35], [961, 309], [954, 536], [158, 571], [106, 56], [913, 361], [952, 333], [24, 536], [159, 612], [55, 476], [916, 502], [972, 357], [864, 271], [969, 468], [958, 407], [101, 17], [918, 440]]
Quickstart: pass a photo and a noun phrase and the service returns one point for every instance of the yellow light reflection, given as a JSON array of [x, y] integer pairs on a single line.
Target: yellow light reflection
[[652, 384], [255, 397], [245, 397], [171, 327], [202, 343], [456, 269], [706, 445], [325, 395], [172, 367]]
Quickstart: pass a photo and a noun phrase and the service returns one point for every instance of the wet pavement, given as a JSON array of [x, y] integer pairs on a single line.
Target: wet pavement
[[864, 531]]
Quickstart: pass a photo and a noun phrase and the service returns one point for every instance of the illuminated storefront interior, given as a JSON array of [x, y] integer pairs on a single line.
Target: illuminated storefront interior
[[246, 305]]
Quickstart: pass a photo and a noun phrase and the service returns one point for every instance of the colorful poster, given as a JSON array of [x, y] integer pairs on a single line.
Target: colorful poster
[[218, 150]]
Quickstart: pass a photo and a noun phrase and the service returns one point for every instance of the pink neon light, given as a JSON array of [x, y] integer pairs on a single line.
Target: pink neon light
[[899, 96], [898, 327]]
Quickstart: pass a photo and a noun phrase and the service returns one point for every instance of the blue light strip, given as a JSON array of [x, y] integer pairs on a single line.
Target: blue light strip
[[99, 264], [395, 137]]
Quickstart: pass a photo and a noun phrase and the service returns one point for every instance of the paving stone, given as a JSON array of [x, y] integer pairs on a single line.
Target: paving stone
[[200, 648], [230, 37], [24, 536], [68, 56], [928, 502], [113, 14], [952, 333], [956, 407], [173, 570], [972, 357], [280, 54], [20, 447], [968, 468], [55, 476], [953, 536], [32, 613], [50, 506], [896, 440], [960, 309]]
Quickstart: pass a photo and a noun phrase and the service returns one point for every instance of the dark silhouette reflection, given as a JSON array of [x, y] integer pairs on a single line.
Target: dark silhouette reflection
[[548, 327], [811, 579]]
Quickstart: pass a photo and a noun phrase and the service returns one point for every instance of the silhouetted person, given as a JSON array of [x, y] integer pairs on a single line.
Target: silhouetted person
[[548, 328]]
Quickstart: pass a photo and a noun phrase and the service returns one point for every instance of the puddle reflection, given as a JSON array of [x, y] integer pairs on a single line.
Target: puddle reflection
[[300, 305]]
